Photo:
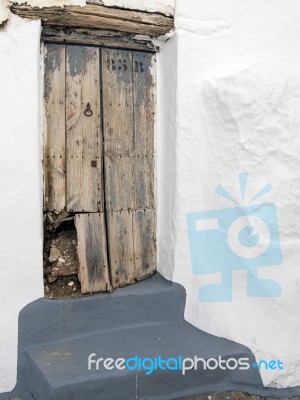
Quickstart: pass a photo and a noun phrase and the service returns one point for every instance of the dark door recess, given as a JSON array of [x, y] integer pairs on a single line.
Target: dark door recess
[[99, 158]]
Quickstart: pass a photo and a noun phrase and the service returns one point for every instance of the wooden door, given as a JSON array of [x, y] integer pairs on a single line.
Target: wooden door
[[99, 158]]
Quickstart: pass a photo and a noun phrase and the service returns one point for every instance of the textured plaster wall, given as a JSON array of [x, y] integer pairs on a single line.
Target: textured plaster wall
[[166, 131], [238, 111], [21, 277], [4, 12], [164, 6], [5, 5]]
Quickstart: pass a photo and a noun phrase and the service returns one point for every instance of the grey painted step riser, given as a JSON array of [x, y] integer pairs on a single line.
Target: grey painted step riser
[[62, 367], [52, 319], [158, 386]]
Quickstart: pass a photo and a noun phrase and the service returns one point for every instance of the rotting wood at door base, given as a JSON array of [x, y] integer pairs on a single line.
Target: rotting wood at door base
[[75, 257], [92, 254], [55, 220], [60, 257]]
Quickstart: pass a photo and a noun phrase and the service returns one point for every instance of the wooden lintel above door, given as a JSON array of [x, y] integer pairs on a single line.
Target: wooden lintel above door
[[99, 25]]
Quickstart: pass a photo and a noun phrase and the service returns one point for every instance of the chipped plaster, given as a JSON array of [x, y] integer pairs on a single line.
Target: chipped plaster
[[4, 11]]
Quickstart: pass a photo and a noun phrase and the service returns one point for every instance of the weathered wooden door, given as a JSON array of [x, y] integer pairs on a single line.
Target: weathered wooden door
[[99, 158]]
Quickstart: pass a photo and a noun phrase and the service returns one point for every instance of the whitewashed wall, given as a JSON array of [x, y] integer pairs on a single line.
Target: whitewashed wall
[[21, 277], [164, 6], [237, 111], [166, 132]]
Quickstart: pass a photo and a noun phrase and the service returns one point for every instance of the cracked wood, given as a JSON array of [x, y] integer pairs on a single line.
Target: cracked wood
[[54, 129], [84, 150], [98, 16], [92, 255], [128, 92]]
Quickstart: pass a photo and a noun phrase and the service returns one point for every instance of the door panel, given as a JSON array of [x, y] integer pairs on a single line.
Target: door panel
[[84, 150], [117, 102], [144, 102], [54, 129], [119, 161], [128, 115], [120, 247], [144, 243], [92, 254], [119, 183], [144, 219]]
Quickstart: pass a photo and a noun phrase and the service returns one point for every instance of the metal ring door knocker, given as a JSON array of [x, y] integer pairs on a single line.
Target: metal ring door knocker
[[88, 112]]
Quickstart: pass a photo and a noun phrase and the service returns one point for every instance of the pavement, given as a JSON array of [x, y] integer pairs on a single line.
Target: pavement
[[234, 396], [212, 396]]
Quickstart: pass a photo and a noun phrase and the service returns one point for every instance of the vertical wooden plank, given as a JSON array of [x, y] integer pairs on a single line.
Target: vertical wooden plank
[[144, 181], [54, 132], [144, 101], [119, 161], [120, 245], [119, 179], [92, 254], [144, 113], [84, 150], [117, 102], [144, 219], [144, 226], [118, 128]]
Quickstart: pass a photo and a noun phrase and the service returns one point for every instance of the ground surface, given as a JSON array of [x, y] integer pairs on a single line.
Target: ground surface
[[213, 396], [232, 396]]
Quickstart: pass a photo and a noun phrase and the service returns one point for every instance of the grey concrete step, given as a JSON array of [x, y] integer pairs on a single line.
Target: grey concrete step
[[151, 300], [144, 320], [59, 370]]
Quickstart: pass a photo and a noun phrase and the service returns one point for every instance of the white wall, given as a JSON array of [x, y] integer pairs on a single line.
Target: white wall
[[4, 12], [164, 6], [238, 110], [166, 134], [21, 276]]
